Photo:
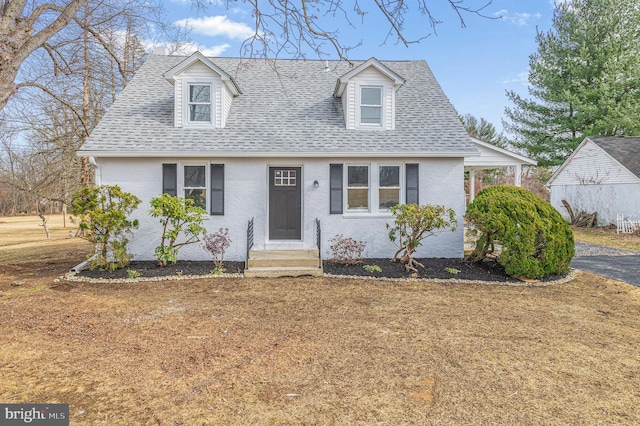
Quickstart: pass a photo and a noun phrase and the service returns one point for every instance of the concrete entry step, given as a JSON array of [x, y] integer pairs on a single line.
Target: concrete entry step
[[283, 263]]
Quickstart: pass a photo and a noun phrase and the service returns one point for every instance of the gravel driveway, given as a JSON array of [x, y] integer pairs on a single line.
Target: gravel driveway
[[617, 264]]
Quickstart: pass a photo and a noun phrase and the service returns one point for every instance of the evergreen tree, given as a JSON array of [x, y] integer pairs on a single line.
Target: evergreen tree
[[482, 129], [584, 80]]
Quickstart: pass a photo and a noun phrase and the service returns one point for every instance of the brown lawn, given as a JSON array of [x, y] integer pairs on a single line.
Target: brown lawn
[[311, 351]]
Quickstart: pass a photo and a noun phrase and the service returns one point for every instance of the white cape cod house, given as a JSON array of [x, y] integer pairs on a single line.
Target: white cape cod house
[[285, 149]]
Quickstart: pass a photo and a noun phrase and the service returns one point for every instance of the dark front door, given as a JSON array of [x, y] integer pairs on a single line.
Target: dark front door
[[285, 203]]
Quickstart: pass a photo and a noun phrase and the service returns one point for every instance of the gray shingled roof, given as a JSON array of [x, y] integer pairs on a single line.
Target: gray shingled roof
[[625, 150], [292, 112]]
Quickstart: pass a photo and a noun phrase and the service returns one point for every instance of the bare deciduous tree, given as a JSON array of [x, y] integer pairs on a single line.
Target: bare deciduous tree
[[24, 27], [286, 28]]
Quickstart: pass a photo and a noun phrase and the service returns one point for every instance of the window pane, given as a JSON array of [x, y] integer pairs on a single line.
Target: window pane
[[370, 96], [370, 115], [198, 196], [194, 176], [358, 198], [200, 113], [358, 176], [390, 176], [389, 198], [199, 93]]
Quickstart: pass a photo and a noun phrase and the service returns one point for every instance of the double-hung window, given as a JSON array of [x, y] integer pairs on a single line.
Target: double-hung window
[[371, 188], [358, 188], [371, 105], [199, 102], [201, 183], [388, 186], [195, 186]]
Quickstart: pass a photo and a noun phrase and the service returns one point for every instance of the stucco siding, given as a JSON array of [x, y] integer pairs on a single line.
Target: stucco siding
[[607, 200], [246, 197]]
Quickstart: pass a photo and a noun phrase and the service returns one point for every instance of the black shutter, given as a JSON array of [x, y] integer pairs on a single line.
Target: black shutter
[[170, 179], [412, 184], [217, 189], [335, 188]]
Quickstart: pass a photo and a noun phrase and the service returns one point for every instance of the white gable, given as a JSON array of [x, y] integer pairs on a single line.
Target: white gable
[[591, 165], [369, 74], [201, 71], [492, 156]]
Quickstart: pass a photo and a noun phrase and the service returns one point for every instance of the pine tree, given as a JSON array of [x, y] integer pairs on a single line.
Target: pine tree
[[584, 80]]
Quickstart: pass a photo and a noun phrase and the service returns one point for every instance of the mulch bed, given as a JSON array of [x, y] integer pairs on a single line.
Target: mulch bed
[[435, 268]]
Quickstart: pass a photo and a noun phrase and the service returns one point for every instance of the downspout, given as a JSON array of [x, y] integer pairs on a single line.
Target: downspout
[[98, 178]]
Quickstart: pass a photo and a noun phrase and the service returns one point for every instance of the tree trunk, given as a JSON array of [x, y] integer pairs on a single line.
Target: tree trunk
[[18, 37]]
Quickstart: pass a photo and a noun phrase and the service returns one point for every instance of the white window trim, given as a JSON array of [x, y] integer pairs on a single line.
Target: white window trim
[[207, 182], [402, 184], [346, 187], [186, 102], [373, 188], [370, 126]]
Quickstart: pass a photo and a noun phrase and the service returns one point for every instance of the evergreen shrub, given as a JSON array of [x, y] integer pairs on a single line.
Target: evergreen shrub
[[535, 240]]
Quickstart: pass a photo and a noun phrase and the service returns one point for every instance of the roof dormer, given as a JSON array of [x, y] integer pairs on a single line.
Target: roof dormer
[[203, 92], [368, 94]]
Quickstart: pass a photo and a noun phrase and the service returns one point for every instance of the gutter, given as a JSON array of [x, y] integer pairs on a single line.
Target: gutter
[[273, 154]]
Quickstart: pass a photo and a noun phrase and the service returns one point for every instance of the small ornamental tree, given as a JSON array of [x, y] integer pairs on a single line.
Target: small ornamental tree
[[535, 239], [413, 223], [178, 216], [217, 244], [103, 219]]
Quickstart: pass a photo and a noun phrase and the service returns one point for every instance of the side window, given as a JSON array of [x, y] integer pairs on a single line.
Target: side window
[[358, 188]]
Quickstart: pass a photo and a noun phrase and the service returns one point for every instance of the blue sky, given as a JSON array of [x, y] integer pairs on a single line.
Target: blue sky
[[474, 65]]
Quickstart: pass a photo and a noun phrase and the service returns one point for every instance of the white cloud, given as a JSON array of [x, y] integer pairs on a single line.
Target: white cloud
[[215, 26], [519, 19], [189, 48], [521, 78]]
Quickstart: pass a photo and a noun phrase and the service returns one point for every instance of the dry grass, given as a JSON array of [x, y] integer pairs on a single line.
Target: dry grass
[[319, 351], [607, 237]]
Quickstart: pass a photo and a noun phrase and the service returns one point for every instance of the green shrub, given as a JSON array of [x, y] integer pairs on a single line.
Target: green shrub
[[535, 239], [413, 223], [178, 216], [103, 220]]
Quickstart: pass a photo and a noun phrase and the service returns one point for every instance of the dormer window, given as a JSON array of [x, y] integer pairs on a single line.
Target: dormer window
[[368, 94], [200, 103], [371, 105], [203, 93]]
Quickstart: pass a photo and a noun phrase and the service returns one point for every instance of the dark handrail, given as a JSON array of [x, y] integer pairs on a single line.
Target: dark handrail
[[249, 237], [318, 237]]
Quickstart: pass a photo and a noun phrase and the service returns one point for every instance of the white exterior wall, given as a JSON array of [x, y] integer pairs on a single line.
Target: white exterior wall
[[608, 200], [592, 181], [591, 165], [246, 196]]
